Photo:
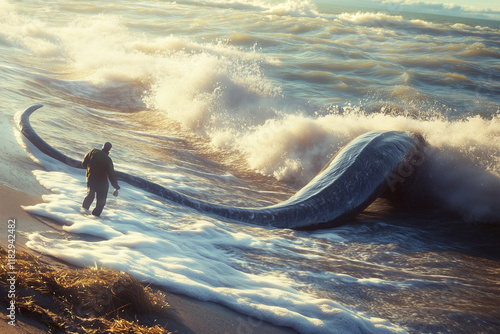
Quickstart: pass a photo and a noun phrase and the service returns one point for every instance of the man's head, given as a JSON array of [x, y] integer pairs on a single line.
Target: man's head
[[106, 147]]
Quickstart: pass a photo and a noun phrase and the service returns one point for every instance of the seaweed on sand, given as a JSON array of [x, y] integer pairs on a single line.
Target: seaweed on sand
[[89, 300]]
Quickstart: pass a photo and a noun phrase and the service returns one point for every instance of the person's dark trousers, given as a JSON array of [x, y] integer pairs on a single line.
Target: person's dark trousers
[[101, 192]]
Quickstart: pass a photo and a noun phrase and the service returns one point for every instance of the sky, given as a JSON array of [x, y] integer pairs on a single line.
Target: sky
[[486, 9]]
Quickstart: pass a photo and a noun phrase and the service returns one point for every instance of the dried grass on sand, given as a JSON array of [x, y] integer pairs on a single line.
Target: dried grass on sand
[[90, 300]]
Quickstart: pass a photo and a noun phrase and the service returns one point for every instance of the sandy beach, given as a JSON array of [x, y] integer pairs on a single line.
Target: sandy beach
[[185, 314]]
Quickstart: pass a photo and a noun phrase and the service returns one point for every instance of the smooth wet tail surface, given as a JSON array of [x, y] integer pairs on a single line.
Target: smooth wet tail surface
[[357, 175]]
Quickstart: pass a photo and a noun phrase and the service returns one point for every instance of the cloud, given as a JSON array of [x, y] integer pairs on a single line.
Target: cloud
[[442, 8]]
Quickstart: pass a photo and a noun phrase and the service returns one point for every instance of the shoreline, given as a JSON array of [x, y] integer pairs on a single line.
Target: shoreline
[[184, 315]]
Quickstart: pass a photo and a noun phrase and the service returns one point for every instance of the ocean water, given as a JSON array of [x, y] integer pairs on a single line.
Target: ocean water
[[242, 102]]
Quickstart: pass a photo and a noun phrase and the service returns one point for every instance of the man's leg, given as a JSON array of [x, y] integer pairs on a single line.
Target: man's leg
[[89, 198], [102, 194]]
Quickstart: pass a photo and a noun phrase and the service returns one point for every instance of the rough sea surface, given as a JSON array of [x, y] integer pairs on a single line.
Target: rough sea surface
[[242, 102]]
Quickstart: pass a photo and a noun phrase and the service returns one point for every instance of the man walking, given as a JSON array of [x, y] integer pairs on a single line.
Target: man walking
[[99, 168]]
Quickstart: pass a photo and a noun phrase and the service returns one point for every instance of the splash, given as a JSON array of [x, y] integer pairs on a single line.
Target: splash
[[277, 7], [294, 8], [202, 90]]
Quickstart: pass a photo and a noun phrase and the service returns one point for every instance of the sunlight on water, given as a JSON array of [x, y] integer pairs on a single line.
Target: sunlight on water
[[242, 103]]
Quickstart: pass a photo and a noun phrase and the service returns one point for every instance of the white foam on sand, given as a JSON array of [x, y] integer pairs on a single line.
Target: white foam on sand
[[187, 253]]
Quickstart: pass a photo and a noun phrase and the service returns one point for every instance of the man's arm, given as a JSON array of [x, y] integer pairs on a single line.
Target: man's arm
[[110, 170]]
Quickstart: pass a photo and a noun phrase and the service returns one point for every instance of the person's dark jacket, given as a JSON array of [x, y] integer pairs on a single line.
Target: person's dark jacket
[[99, 168]]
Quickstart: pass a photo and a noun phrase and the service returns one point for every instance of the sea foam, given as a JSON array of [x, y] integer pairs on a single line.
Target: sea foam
[[186, 253]]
